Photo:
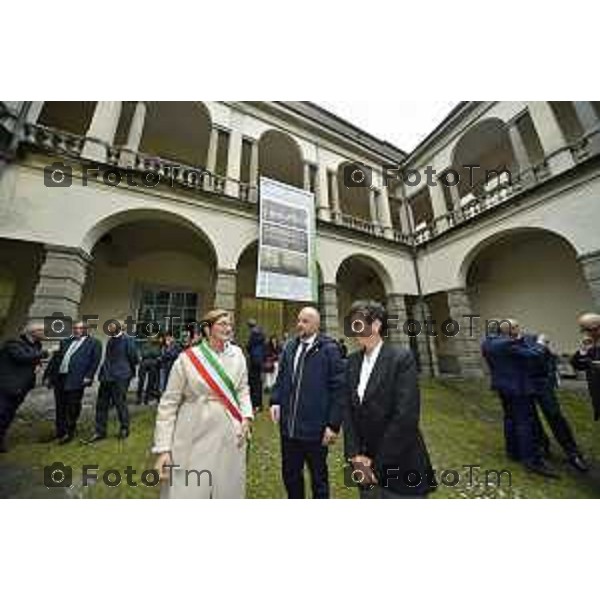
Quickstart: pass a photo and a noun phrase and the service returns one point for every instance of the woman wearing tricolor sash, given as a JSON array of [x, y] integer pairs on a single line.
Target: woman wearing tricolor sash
[[204, 416]]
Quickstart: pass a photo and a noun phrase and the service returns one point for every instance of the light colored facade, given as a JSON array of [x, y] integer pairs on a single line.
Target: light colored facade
[[524, 247]]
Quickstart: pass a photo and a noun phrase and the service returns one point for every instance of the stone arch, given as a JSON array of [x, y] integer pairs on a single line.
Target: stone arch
[[133, 215], [150, 265], [525, 273], [280, 157], [278, 316], [72, 117], [354, 201], [486, 144], [177, 131], [360, 277]]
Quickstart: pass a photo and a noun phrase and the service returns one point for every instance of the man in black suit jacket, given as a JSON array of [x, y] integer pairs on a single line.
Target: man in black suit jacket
[[19, 360], [70, 370], [120, 362], [383, 443]]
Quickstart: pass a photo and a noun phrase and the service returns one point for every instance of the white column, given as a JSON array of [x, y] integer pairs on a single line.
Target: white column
[[404, 224], [101, 132], [323, 208], [384, 213], [211, 158], [590, 123], [254, 170], [213, 145], [307, 177], [551, 137], [234, 156], [35, 110], [373, 207], [438, 205], [521, 155], [134, 137], [335, 197]]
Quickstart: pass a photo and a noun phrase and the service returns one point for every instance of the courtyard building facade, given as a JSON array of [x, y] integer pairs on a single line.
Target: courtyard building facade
[[494, 214]]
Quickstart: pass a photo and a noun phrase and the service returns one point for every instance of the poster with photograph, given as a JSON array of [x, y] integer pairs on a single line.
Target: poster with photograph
[[286, 251]]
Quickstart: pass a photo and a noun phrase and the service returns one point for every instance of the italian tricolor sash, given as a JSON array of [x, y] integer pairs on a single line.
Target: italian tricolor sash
[[212, 372]]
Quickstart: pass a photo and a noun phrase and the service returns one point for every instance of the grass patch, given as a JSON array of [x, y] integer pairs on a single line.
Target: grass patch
[[461, 422]]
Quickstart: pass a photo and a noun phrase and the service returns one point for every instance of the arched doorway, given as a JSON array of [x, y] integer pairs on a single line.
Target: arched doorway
[[531, 275], [150, 267], [359, 278], [275, 317]]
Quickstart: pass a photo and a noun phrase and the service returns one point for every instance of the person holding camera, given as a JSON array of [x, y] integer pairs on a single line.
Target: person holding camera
[[117, 370], [383, 444], [306, 402], [19, 360], [70, 370], [587, 358]]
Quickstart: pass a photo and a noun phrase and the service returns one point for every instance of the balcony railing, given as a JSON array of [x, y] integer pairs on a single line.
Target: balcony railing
[[480, 200]]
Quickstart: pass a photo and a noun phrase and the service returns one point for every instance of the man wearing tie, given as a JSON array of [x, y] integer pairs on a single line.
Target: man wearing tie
[[120, 361], [306, 402], [387, 454], [70, 370]]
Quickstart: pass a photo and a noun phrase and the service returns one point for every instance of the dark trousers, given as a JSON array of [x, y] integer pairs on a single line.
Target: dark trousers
[[255, 383], [148, 379], [9, 404], [294, 454], [112, 393], [510, 439], [521, 428], [68, 408], [548, 403]]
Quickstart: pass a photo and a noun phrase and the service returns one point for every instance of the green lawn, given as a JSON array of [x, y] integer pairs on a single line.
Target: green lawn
[[461, 424]]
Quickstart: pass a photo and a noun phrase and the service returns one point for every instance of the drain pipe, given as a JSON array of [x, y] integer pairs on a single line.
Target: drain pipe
[[417, 277]]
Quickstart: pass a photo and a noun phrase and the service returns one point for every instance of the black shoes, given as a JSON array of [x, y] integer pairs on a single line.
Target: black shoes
[[66, 439], [543, 469], [578, 462]]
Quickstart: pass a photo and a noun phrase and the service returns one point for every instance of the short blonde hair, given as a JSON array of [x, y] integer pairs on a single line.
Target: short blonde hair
[[210, 318]]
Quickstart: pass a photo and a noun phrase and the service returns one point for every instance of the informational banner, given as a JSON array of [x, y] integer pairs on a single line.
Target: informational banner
[[287, 267]]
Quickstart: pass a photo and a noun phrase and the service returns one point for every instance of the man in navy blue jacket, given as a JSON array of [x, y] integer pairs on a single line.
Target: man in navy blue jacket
[[307, 402], [70, 370], [120, 362], [512, 361]]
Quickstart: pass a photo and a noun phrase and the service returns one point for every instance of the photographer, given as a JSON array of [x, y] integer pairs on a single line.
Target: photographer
[[587, 358], [383, 443], [19, 360]]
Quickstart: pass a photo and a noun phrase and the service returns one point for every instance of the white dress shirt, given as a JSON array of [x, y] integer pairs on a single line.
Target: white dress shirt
[[366, 369], [310, 341], [73, 347]]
